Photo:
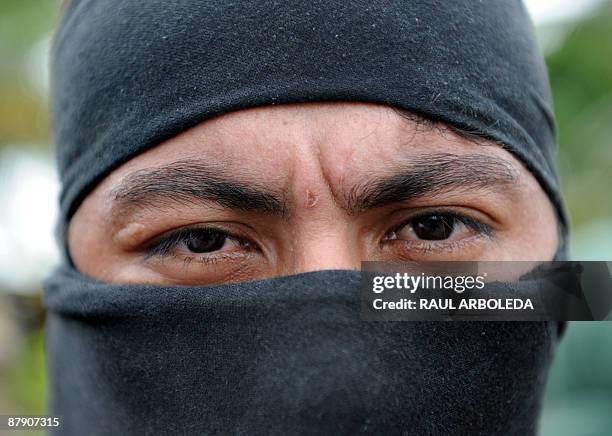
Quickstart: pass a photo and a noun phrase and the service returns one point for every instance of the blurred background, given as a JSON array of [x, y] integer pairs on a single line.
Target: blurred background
[[576, 37]]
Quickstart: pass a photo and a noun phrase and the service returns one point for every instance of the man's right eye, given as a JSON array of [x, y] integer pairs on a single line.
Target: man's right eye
[[191, 242], [205, 254], [205, 241]]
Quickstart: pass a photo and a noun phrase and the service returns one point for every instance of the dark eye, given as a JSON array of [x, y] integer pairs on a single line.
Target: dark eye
[[438, 227], [191, 241], [433, 227], [205, 241]]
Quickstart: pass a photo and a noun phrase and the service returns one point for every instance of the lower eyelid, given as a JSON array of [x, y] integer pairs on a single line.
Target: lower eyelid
[[186, 260], [217, 257], [441, 246]]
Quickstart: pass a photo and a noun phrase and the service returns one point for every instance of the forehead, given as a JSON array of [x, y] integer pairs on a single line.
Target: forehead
[[340, 142]]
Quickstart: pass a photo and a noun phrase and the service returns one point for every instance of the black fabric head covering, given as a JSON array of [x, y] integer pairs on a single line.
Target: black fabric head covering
[[288, 355], [129, 74], [285, 356]]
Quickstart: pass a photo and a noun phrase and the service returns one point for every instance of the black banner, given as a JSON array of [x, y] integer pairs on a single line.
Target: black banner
[[487, 291]]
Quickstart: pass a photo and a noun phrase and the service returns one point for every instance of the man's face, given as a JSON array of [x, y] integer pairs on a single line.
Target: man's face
[[279, 190]]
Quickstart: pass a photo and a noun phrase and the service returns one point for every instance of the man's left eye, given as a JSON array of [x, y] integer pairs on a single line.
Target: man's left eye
[[437, 227]]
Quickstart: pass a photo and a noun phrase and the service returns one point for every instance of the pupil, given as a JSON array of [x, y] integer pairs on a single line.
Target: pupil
[[433, 227], [206, 242]]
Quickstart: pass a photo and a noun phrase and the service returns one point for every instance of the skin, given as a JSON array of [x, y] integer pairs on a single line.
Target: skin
[[315, 158]]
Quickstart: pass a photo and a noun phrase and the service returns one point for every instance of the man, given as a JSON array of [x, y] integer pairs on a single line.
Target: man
[[407, 131]]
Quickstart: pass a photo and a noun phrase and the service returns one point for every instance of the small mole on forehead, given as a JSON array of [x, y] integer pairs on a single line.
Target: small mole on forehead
[[311, 199]]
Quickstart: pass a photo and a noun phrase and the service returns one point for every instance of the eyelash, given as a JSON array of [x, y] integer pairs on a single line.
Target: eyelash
[[468, 221], [164, 246], [425, 246]]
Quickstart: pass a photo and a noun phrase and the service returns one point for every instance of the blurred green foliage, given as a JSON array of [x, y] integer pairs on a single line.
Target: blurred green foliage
[[23, 113], [27, 379], [22, 23], [579, 397], [581, 80]]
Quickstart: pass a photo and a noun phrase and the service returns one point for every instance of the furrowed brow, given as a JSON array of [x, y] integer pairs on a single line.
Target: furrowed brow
[[434, 174], [191, 183]]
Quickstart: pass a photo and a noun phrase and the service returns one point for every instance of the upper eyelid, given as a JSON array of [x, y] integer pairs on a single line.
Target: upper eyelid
[[168, 240], [473, 223]]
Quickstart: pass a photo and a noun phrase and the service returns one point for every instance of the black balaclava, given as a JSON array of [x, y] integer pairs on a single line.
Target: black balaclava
[[287, 355]]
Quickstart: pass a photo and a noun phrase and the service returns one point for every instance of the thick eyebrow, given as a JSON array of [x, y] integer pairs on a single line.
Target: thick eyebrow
[[190, 182], [434, 174]]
